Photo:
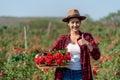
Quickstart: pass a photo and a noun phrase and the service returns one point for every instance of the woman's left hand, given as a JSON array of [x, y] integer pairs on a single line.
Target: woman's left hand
[[82, 41]]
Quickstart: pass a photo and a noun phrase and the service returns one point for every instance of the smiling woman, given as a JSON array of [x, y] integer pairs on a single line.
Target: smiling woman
[[80, 45]]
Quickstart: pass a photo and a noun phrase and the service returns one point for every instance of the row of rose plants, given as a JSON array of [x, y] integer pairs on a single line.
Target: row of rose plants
[[18, 63]]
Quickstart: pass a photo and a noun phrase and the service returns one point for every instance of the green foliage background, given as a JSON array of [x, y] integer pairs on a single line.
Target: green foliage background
[[21, 66]]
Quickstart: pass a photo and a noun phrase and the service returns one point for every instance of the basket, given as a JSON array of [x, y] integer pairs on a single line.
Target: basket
[[52, 60], [50, 66]]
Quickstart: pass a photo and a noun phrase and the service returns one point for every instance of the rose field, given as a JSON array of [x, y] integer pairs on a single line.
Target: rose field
[[20, 42]]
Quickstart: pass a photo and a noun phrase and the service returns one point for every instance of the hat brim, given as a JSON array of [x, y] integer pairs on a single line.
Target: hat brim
[[68, 18]]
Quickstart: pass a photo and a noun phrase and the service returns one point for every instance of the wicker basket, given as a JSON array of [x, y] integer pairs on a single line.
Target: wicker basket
[[50, 66]]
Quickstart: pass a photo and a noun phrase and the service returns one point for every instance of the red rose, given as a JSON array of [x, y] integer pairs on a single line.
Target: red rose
[[67, 56], [56, 55], [1, 73], [45, 70], [94, 70], [117, 73], [38, 59], [48, 59], [36, 77], [58, 61]]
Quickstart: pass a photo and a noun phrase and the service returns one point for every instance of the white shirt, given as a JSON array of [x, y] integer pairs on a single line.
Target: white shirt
[[75, 51]]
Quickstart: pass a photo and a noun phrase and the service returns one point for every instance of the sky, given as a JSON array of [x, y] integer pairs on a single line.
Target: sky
[[96, 9]]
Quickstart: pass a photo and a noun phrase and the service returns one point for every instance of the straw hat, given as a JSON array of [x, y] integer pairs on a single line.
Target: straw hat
[[73, 13]]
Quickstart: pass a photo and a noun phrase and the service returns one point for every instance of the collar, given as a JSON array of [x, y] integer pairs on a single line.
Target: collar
[[80, 33]]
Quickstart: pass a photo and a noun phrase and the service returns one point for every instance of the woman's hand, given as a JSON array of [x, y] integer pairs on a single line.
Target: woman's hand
[[82, 41]]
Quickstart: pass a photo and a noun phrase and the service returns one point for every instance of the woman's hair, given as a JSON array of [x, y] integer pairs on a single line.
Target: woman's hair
[[71, 18]]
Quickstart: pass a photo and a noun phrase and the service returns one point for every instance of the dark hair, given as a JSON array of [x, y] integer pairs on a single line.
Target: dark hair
[[71, 18]]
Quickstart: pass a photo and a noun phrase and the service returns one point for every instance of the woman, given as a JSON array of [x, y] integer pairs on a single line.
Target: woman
[[80, 45]]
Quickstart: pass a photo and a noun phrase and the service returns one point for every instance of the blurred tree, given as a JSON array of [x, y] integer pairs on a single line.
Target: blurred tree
[[112, 20]]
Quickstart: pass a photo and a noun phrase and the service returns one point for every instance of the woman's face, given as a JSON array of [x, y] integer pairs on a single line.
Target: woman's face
[[74, 24]]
